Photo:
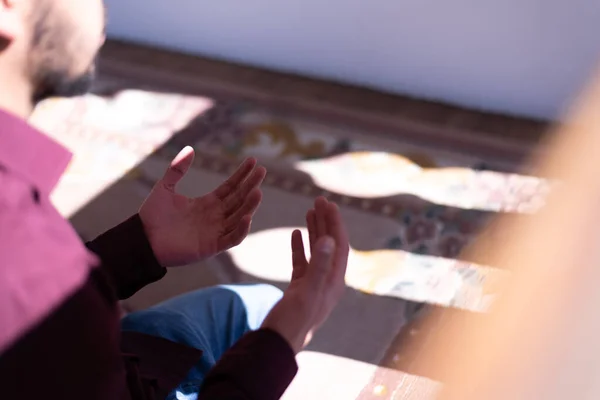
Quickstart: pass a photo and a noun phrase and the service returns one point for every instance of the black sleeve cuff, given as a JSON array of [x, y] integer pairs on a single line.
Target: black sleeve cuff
[[127, 256]]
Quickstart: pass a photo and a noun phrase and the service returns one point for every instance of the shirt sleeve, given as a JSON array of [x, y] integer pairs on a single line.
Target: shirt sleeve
[[127, 257], [261, 365]]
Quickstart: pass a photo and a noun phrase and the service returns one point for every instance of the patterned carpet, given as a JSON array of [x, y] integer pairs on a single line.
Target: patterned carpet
[[410, 210]]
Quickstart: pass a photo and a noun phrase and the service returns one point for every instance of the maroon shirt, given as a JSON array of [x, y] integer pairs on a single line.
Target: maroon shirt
[[59, 321]]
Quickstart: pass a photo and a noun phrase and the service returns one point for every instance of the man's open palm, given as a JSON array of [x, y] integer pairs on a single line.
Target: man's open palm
[[182, 230], [317, 285]]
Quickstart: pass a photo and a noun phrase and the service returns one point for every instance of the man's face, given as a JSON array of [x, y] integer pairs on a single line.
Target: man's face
[[60, 40]]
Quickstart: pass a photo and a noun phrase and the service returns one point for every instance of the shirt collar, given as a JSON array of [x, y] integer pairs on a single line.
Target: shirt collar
[[30, 153]]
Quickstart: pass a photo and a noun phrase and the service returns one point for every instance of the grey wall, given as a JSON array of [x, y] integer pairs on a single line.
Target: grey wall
[[518, 56]]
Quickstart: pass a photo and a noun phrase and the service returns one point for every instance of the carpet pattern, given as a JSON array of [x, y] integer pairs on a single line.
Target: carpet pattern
[[410, 209]]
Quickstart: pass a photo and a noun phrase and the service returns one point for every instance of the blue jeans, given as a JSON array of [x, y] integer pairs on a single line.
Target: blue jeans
[[211, 320]]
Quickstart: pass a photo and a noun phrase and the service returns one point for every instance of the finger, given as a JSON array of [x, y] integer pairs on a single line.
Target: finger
[[337, 230], [237, 198], [321, 216], [336, 227], [236, 178], [311, 225], [235, 236], [320, 263], [248, 208], [178, 168], [299, 262]]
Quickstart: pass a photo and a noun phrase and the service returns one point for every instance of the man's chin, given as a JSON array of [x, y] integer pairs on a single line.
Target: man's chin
[[65, 88]]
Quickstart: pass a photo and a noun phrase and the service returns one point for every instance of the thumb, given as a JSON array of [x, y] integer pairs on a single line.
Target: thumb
[[320, 261], [179, 167]]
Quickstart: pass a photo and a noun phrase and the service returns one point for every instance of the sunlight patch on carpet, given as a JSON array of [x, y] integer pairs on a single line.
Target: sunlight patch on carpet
[[110, 136], [325, 377], [381, 174], [395, 273]]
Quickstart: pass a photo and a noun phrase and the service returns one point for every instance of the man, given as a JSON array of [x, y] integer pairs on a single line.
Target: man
[[60, 332]]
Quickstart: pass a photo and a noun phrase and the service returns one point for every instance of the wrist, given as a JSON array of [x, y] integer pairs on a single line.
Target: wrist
[[291, 332]]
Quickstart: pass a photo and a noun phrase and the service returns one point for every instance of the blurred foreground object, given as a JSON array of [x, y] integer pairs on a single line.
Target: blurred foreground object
[[541, 339]]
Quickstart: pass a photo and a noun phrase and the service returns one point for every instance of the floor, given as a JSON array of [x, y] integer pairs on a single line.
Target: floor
[[412, 202]]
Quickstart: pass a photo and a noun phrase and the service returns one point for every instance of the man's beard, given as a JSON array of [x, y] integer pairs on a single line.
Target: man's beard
[[57, 83], [53, 53]]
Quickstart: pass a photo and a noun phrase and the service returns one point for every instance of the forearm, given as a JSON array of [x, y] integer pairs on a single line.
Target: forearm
[[261, 365], [127, 257]]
